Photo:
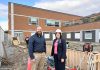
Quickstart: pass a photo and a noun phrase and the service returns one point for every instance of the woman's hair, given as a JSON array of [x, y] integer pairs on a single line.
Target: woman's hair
[[60, 35]]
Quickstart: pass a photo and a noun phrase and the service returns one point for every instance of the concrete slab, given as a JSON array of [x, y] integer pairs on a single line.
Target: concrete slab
[[1, 50]]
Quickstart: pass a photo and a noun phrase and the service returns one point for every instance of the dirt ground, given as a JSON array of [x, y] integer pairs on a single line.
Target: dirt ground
[[18, 56]]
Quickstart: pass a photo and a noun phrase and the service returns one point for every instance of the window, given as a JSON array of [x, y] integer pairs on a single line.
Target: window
[[33, 20], [19, 34], [53, 23], [88, 35], [77, 35], [68, 35], [67, 23], [99, 35], [32, 33], [47, 35]]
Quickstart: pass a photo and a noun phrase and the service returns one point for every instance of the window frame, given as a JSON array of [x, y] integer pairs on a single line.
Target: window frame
[[69, 36], [89, 32], [79, 35], [30, 22], [54, 21]]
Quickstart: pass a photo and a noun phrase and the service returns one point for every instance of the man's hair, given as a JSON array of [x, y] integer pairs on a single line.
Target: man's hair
[[38, 26]]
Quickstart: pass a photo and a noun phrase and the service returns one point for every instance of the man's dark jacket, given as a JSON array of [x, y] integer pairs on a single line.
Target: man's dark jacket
[[36, 44]]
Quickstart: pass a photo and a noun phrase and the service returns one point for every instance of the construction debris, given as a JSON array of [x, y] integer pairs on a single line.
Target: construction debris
[[15, 41], [16, 58]]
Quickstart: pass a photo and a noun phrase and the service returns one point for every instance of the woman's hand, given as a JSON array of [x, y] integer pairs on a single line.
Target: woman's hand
[[62, 60]]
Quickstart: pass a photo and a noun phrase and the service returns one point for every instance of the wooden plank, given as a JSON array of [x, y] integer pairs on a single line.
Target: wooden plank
[[82, 59], [67, 57], [98, 66]]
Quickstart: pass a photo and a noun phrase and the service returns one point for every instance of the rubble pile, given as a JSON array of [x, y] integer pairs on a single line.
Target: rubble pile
[[16, 58]]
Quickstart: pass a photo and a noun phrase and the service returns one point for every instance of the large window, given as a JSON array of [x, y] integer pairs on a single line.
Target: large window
[[68, 35], [99, 35], [47, 35], [88, 35], [66, 23], [19, 35], [77, 35], [52, 23], [33, 20]]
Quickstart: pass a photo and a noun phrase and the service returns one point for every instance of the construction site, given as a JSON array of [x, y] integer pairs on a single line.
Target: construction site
[[14, 55], [77, 30]]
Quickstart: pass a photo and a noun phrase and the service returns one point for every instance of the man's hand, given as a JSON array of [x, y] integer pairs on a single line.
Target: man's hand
[[33, 60], [62, 60]]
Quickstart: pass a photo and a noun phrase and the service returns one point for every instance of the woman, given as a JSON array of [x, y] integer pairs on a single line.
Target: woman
[[59, 51]]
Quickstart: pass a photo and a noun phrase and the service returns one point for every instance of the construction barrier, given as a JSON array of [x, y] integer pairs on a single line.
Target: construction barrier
[[83, 60]]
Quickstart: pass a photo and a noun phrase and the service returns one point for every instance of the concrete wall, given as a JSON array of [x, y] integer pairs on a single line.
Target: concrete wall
[[1, 40], [1, 34]]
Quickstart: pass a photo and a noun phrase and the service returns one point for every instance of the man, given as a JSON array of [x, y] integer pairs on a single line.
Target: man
[[26, 40], [37, 50]]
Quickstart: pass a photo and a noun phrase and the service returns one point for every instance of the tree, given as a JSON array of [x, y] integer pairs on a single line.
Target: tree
[[97, 18], [86, 20]]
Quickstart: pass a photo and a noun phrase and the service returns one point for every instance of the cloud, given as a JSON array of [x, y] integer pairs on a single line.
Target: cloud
[[57, 4], [4, 25], [4, 16], [3, 10], [77, 7], [3, 6]]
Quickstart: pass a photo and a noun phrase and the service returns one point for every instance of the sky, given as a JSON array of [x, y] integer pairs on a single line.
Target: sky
[[76, 7]]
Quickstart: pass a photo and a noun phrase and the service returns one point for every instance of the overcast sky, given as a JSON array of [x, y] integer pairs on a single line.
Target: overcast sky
[[76, 7]]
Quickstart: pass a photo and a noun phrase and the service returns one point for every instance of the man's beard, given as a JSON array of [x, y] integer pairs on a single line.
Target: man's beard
[[39, 33]]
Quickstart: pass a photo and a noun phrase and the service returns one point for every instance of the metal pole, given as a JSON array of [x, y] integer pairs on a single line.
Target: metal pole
[[12, 19]]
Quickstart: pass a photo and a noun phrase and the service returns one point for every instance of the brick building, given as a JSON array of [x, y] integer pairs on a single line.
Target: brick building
[[23, 21]]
